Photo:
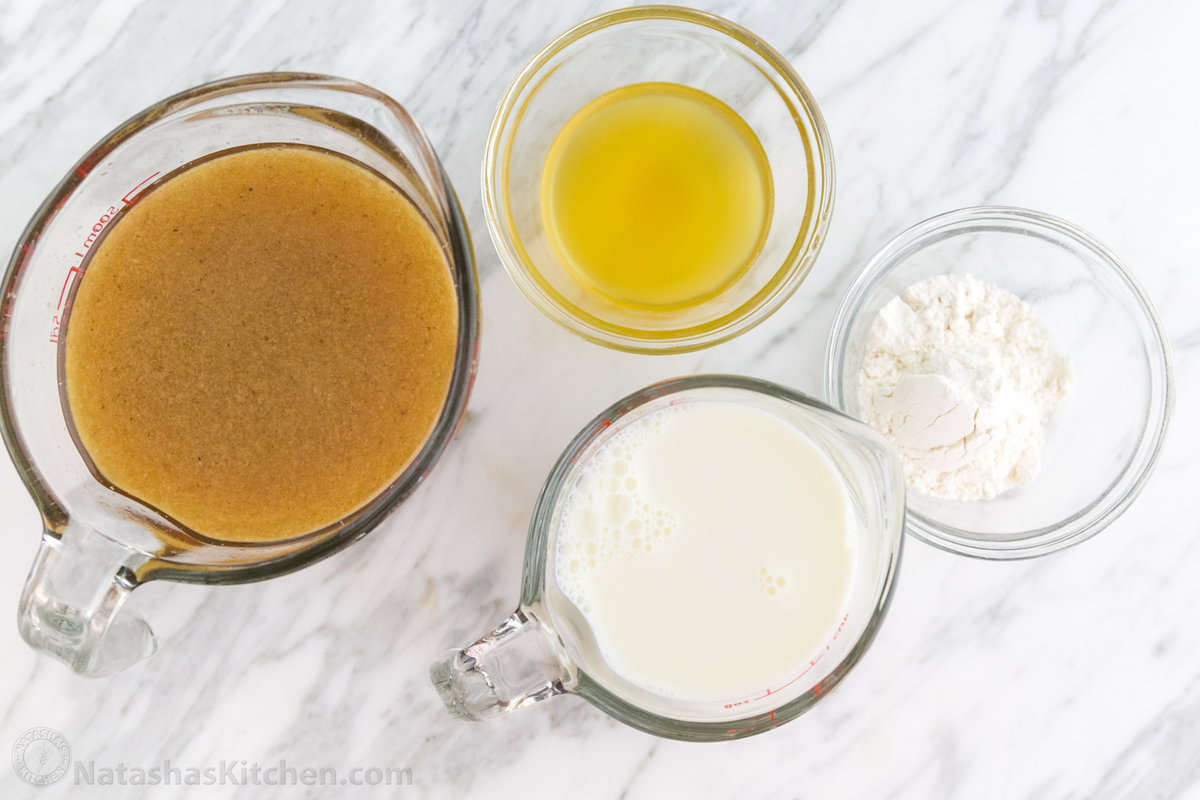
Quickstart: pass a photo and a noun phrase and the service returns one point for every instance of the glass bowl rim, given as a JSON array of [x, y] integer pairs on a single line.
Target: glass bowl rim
[[1125, 487], [783, 281]]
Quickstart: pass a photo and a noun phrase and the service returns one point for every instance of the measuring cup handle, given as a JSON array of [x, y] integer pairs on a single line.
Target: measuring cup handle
[[71, 599], [520, 663]]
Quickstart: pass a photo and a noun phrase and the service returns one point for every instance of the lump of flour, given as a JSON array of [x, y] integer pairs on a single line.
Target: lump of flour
[[961, 377]]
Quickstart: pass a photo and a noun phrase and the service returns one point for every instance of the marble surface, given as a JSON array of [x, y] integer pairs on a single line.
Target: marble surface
[[1073, 676]]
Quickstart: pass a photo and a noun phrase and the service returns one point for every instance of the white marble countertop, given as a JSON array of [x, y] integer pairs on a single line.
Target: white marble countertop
[[1072, 676]]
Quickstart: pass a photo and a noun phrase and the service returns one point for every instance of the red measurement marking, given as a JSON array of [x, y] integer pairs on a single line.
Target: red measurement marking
[[66, 282], [126, 199], [93, 234], [836, 633]]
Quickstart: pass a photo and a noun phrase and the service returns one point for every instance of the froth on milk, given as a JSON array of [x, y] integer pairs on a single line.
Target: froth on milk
[[709, 545]]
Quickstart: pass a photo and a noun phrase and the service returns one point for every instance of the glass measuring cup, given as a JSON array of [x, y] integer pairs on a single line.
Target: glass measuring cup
[[99, 544], [545, 648]]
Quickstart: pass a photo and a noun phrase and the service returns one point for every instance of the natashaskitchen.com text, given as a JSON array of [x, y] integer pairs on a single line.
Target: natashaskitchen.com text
[[236, 773]]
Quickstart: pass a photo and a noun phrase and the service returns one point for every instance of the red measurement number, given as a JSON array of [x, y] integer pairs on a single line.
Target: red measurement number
[[76, 268]]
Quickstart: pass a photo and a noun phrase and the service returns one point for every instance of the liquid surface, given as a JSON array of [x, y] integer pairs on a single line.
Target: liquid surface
[[709, 547], [656, 194], [262, 343]]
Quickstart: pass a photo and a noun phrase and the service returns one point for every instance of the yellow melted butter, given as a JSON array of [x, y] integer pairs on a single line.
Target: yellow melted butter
[[656, 194]]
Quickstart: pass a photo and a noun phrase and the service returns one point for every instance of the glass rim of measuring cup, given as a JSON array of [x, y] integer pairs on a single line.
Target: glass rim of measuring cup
[[535, 622], [306, 548], [783, 281]]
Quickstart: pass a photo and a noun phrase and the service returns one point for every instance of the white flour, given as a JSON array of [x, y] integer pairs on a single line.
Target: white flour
[[961, 377]]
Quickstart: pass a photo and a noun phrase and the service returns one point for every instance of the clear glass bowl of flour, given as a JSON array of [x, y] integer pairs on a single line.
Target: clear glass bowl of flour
[[1105, 435]]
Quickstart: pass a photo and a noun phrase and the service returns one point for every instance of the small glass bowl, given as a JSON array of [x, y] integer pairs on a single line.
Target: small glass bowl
[[1107, 433], [677, 45]]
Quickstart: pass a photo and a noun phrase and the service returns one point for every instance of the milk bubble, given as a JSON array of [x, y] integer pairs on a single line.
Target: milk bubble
[[606, 514]]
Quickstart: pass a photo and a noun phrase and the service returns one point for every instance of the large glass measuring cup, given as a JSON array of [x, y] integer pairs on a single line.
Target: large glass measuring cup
[[98, 544], [546, 647]]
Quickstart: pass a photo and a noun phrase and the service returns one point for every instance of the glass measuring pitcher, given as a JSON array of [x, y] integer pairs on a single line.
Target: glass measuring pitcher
[[99, 544], [547, 648]]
